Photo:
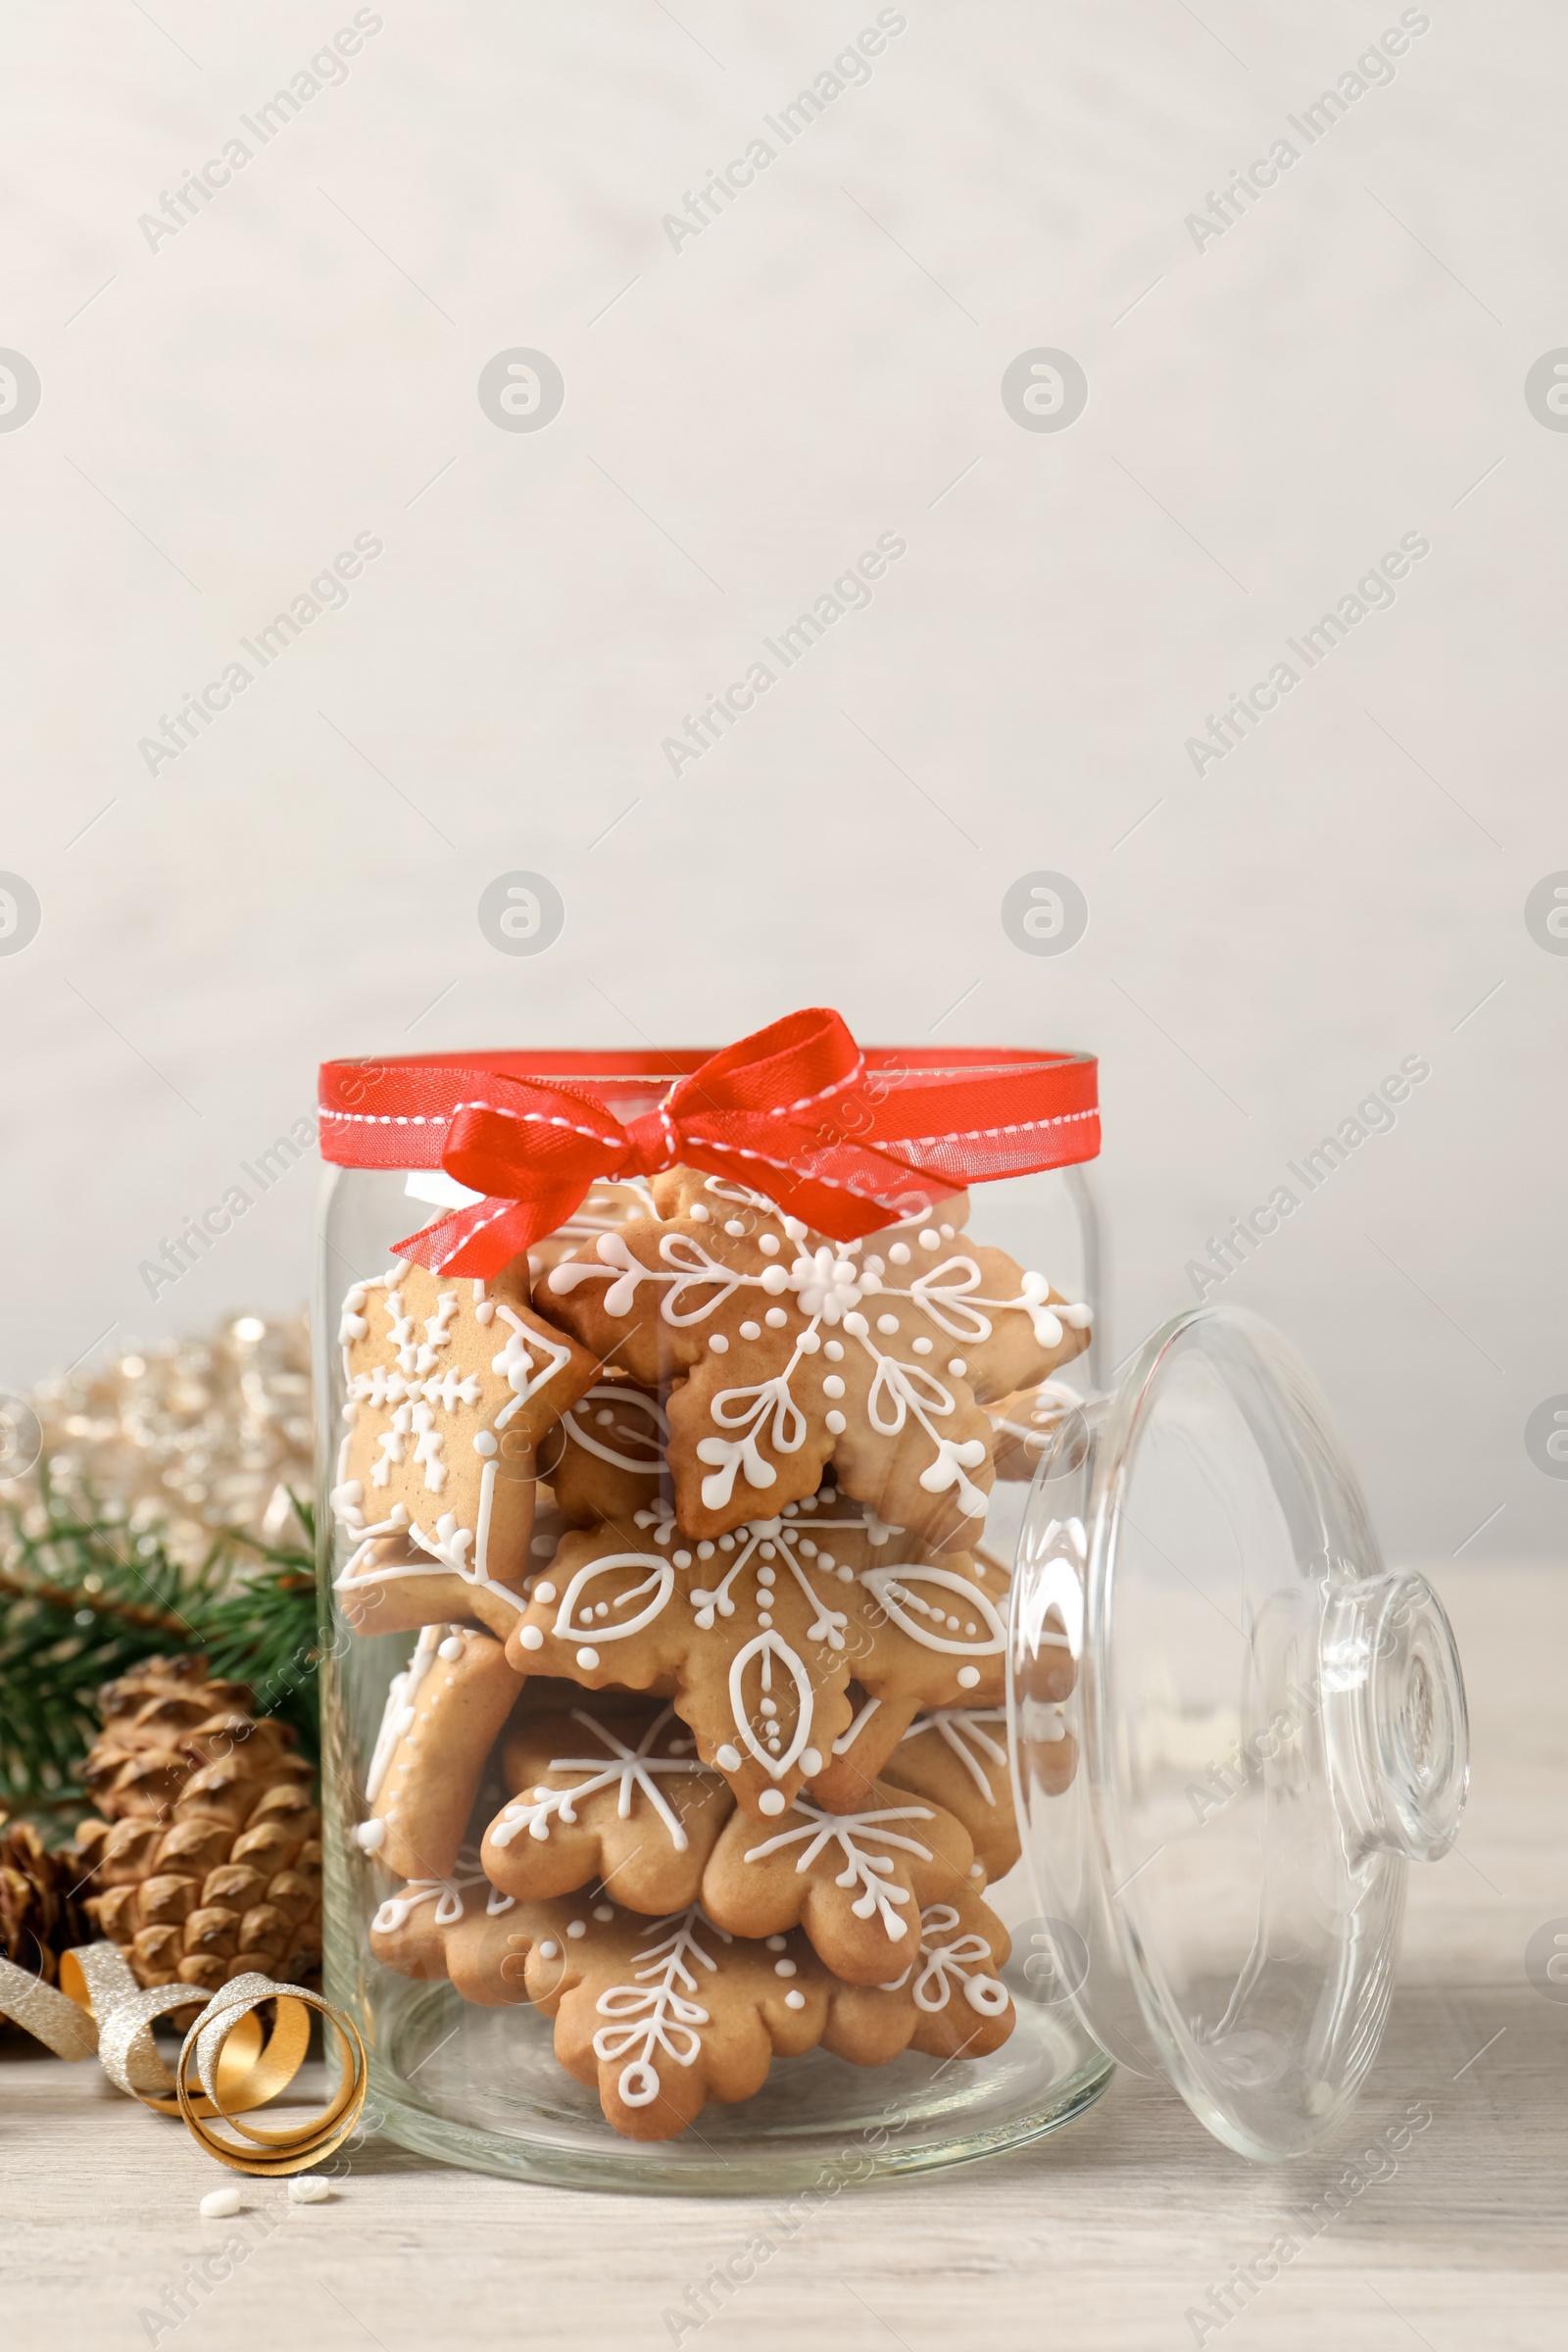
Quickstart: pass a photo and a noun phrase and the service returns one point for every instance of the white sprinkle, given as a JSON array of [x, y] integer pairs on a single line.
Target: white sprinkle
[[967, 1677], [604, 1911], [484, 1443], [922, 1347], [836, 1424], [899, 1253], [771, 1800], [784, 1967], [543, 1592], [369, 1836], [219, 2204], [699, 1214], [775, 1943], [309, 2188], [451, 1649], [735, 1229], [957, 1366], [833, 1386], [577, 1927], [589, 1659], [767, 1243], [887, 1325], [795, 2000], [810, 1763], [532, 1638], [776, 1318], [718, 1343], [682, 1559], [930, 1240], [549, 1950], [728, 1759], [751, 1330]]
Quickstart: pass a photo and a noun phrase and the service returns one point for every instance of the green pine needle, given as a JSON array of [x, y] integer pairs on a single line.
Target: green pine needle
[[83, 1598]]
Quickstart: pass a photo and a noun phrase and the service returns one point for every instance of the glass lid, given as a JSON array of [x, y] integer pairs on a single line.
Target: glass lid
[[1265, 1727]]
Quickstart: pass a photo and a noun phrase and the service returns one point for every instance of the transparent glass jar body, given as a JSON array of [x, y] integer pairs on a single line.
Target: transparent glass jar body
[[1225, 1732], [480, 2086]]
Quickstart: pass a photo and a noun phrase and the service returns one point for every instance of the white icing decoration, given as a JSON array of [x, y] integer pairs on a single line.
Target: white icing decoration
[[450, 1896], [398, 1714], [415, 1395], [905, 1592], [966, 1960], [648, 1462], [572, 1627], [852, 1833], [655, 2016], [829, 1284], [845, 1740], [633, 1770], [962, 1729]]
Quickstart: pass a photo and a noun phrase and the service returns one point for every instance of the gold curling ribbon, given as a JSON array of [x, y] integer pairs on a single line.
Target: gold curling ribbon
[[227, 2065]]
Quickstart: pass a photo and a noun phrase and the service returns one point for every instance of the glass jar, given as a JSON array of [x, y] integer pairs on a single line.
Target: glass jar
[[1188, 1725]]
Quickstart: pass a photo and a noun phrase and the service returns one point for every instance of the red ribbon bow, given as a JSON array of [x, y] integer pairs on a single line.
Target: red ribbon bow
[[846, 1141]]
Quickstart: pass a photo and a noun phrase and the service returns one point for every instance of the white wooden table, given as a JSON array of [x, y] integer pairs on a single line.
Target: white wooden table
[[1102, 2238]]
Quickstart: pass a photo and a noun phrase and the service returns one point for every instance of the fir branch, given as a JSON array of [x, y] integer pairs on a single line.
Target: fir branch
[[83, 1598]]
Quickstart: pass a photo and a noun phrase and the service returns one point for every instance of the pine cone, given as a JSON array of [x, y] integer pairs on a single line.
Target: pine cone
[[40, 1916], [208, 1861]]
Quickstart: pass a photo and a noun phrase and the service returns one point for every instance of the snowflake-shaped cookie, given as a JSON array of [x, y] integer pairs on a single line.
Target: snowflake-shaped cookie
[[878, 1354], [757, 1631], [856, 1881], [663, 2015], [450, 1385], [609, 1792], [752, 1632]]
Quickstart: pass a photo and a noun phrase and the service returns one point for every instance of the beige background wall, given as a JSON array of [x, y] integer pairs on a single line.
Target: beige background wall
[[226, 408]]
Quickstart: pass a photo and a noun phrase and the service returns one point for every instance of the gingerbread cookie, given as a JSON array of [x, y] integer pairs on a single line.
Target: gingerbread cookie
[[957, 1758], [605, 1459], [663, 2015], [442, 1715], [749, 1632], [856, 1881], [797, 1349], [412, 1926], [450, 1385], [605, 1790], [948, 2002], [933, 1633], [1028, 1424], [604, 1206]]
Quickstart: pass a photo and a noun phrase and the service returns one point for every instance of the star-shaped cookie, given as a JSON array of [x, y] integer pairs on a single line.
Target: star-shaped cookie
[[448, 1386]]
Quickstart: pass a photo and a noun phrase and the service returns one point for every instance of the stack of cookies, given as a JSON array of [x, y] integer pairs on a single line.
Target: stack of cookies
[[701, 1748]]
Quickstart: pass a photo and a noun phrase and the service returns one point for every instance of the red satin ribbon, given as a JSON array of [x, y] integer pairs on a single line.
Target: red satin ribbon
[[845, 1140]]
